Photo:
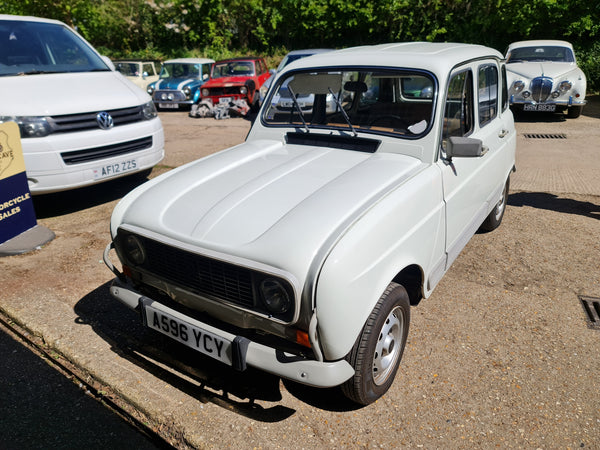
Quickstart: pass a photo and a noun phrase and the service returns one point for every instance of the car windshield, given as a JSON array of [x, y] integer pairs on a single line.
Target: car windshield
[[541, 53], [128, 69], [232, 69], [180, 70], [30, 48], [376, 101]]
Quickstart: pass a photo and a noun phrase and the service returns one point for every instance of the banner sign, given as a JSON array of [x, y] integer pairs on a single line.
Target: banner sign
[[16, 207]]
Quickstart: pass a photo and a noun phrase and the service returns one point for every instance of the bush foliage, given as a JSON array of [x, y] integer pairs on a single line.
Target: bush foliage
[[162, 29]]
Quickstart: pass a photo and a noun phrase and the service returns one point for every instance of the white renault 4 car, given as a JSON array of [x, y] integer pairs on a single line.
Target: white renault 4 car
[[301, 251], [80, 121]]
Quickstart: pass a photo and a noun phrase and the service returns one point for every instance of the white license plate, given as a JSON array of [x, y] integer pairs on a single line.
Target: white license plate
[[546, 108], [193, 336], [118, 168], [168, 105], [225, 100]]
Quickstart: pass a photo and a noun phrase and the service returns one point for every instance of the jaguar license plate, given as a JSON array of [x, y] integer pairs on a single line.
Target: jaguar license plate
[[545, 108], [118, 168], [168, 105], [189, 334]]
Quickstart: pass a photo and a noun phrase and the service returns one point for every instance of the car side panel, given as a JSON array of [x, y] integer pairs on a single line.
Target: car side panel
[[406, 227]]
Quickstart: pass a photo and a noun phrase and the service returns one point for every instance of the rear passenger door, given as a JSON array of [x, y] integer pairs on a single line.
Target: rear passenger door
[[472, 104]]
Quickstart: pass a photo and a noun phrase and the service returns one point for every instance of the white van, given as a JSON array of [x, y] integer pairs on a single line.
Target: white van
[[81, 122]]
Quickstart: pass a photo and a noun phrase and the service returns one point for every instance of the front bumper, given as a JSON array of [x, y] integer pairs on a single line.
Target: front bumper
[[241, 351], [548, 105]]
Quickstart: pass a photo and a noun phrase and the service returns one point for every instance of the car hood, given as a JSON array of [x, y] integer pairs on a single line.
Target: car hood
[[175, 83], [250, 201], [531, 70], [67, 93], [224, 81]]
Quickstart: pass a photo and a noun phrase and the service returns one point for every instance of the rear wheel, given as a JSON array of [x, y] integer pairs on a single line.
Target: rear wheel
[[495, 218], [378, 350]]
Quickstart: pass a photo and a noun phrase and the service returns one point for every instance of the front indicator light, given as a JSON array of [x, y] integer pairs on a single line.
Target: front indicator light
[[302, 338]]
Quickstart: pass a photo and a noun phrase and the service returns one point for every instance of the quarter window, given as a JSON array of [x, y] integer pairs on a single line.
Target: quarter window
[[487, 93], [458, 115]]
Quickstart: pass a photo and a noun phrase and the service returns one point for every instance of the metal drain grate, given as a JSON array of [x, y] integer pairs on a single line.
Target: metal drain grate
[[545, 136], [591, 306]]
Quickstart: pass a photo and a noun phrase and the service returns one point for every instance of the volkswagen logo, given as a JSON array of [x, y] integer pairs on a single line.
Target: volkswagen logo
[[104, 119]]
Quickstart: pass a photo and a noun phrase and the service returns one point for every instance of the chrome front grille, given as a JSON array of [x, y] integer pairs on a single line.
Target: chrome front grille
[[169, 96], [108, 151], [541, 88], [87, 121]]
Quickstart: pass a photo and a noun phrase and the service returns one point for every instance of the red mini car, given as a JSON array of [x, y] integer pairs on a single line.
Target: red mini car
[[234, 84]]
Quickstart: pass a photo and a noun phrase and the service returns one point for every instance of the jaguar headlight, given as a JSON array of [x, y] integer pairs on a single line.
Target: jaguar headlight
[[518, 85], [30, 127], [134, 250], [275, 296], [149, 111], [564, 86]]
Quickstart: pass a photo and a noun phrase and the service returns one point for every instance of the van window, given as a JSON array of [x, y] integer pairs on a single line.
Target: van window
[[458, 115], [487, 88]]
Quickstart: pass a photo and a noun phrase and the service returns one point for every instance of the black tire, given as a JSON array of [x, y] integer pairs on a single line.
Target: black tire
[[494, 219], [378, 350], [574, 111]]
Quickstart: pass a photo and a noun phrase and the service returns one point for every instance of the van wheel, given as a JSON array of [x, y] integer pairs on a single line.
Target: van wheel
[[378, 350], [495, 218]]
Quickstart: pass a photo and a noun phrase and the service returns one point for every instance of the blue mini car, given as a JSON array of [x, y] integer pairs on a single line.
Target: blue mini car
[[179, 83]]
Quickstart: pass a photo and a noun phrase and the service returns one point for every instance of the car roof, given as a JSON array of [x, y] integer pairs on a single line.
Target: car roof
[[240, 58], [310, 51], [30, 19], [190, 61], [432, 56], [541, 42]]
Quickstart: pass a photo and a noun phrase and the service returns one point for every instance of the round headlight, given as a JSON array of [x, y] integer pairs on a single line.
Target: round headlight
[[150, 89], [274, 296], [134, 250], [526, 94], [205, 92], [518, 85], [564, 86], [244, 90], [187, 91], [555, 94]]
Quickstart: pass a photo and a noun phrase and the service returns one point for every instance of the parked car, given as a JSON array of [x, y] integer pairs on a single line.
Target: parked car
[[141, 72], [543, 76], [236, 80], [179, 82], [80, 121], [290, 57], [301, 251]]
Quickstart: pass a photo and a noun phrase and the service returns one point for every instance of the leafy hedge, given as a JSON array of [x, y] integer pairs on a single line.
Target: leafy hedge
[[163, 29]]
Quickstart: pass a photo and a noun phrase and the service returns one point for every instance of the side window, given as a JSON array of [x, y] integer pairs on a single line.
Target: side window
[[458, 115], [505, 103], [149, 69], [487, 86]]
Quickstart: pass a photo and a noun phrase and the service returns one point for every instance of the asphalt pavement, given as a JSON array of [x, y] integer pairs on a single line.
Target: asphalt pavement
[[42, 408]]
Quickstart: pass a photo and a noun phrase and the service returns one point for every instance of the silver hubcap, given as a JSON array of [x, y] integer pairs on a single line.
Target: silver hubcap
[[501, 204], [389, 346]]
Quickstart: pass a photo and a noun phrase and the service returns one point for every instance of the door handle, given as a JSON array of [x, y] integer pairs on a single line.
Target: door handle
[[503, 133]]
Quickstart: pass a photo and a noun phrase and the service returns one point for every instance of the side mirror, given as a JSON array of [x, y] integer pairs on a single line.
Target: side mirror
[[464, 147], [205, 77], [144, 75]]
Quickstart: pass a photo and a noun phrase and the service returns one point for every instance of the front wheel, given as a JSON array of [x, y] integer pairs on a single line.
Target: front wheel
[[378, 350], [574, 111]]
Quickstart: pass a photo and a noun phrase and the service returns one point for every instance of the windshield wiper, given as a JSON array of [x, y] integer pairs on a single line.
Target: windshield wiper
[[36, 72], [295, 102], [346, 118]]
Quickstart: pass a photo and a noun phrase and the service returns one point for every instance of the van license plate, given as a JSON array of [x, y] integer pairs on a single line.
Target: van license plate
[[118, 168]]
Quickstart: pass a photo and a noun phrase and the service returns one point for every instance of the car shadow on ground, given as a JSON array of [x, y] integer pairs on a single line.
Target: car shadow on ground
[[67, 202], [552, 202], [192, 373]]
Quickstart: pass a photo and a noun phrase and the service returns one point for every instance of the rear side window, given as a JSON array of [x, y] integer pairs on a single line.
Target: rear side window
[[458, 114], [487, 87]]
